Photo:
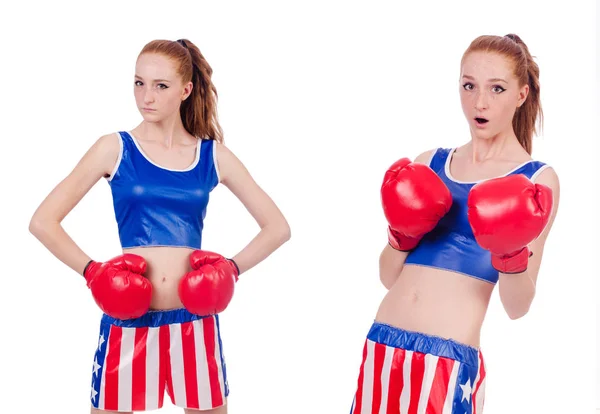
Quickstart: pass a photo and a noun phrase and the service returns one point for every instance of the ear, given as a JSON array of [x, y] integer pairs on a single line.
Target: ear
[[187, 90], [523, 93]]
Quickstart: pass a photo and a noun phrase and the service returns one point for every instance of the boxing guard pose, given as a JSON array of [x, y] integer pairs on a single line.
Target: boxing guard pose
[[461, 221]]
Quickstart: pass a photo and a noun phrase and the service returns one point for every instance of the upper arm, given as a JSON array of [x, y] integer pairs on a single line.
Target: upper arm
[[96, 163], [549, 178], [235, 176]]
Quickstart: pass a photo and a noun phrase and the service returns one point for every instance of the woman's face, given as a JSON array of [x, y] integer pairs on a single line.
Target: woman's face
[[158, 88], [489, 93]]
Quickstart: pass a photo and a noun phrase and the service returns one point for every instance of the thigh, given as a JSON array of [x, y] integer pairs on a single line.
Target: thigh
[[197, 378], [127, 374]]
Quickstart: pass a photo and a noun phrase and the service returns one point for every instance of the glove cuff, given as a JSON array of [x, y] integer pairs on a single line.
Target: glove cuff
[[512, 263], [237, 268], [86, 267], [400, 242], [90, 271]]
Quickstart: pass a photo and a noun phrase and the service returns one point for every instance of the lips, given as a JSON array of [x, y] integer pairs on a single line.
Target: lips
[[481, 121]]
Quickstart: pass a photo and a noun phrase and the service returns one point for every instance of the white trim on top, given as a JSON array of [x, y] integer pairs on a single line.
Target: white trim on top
[[190, 167], [447, 170], [215, 160], [119, 158]]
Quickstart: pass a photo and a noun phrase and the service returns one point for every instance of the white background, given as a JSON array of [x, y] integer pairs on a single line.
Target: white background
[[317, 99]]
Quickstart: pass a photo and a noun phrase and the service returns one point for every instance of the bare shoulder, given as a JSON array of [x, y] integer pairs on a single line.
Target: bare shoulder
[[108, 144], [548, 177], [105, 152], [425, 157], [229, 164], [222, 150]]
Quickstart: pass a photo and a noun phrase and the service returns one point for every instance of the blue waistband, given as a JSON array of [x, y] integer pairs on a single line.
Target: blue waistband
[[423, 343], [155, 318]]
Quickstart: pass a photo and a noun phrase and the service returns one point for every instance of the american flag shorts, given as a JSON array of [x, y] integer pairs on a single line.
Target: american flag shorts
[[406, 372], [137, 359]]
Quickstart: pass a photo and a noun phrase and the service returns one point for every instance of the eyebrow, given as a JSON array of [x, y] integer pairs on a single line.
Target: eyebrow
[[155, 80], [489, 80]]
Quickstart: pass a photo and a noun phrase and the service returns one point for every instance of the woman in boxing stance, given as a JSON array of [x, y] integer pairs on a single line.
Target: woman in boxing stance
[[461, 220], [162, 296]]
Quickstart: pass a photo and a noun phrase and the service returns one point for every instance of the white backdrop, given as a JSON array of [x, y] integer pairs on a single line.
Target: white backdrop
[[317, 99]]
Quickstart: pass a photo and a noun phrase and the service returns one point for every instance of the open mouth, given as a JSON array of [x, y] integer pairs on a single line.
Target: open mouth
[[481, 121]]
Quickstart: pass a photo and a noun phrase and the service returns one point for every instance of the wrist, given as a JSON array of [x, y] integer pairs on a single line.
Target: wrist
[[87, 267], [236, 267]]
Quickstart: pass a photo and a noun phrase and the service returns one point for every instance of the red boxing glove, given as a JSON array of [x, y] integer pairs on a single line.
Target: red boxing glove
[[119, 287], [208, 289], [414, 199], [506, 214]]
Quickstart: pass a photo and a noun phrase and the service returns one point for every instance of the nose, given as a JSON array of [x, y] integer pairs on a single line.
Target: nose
[[481, 101], [148, 95]]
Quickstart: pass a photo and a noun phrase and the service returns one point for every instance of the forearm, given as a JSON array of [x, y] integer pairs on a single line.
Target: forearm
[[269, 239], [516, 293], [391, 262], [59, 243]]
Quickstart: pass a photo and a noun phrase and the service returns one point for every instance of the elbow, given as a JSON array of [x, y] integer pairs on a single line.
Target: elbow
[[35, 226], [517, 299], [387, 282], [388, 275], [287, 233], [284, 233], [517, 311], [514, 315]]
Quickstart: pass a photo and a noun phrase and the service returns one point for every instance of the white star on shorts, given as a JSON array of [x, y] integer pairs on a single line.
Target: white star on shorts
[[94, 393], [96, 366], [467, 390]]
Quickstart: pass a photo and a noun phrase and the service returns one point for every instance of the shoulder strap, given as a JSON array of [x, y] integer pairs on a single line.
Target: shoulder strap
[[207, 164], [531, 169], [438, 159]]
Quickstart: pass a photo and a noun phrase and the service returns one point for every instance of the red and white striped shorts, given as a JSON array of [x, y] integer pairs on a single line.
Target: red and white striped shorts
[[137, 359], [406, 372]]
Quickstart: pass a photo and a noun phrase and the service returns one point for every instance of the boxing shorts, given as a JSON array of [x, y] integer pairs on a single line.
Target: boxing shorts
[[406, 372], [137, 359]]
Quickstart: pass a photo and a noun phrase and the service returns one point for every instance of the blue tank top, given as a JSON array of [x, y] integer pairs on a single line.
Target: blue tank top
[[157, 206], [451, 244]]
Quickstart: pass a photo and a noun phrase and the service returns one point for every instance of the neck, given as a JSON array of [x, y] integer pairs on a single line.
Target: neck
[[168, 132], [498, 146]]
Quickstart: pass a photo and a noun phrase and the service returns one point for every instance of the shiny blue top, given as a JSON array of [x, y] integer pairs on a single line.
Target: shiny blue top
[[451, 245], [158, 206]]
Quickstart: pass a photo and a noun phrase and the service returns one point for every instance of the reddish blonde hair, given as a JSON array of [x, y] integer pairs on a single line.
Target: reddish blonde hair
[[199, 110], [528, 119]]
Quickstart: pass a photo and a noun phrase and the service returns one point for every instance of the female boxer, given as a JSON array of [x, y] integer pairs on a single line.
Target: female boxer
[[160, 327], [461, 220]]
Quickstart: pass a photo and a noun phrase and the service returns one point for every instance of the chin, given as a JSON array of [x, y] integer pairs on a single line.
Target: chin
[[149, 117], [479, 134]]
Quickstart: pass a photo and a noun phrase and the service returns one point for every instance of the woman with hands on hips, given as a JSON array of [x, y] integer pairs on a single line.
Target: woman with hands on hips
[[161, 297], [461, 221]]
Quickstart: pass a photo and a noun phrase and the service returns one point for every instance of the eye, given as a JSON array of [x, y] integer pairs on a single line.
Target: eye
[[498, 89], [468, 86], [162, 86], [138, 83]]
